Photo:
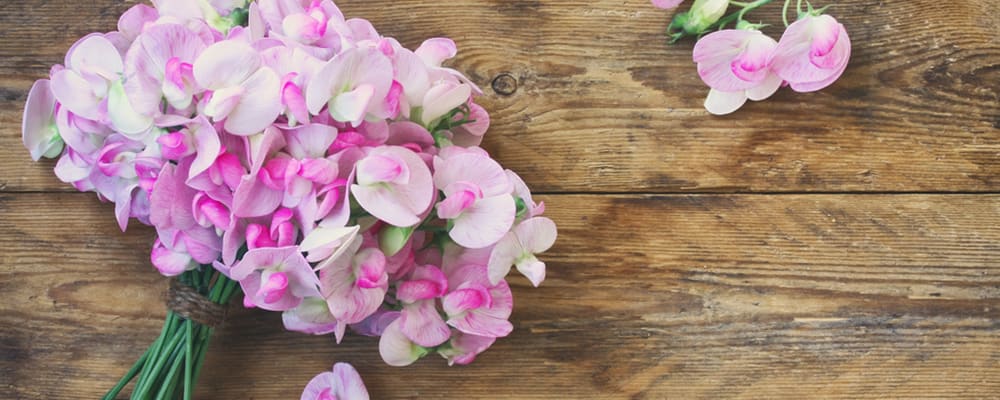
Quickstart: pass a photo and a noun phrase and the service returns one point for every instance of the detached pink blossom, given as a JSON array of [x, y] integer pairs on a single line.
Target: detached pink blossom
[[343, 383], [812, 53], [736, 64]]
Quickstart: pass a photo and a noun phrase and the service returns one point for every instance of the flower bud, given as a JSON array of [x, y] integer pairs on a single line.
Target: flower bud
[[392, 239], [703, 14]]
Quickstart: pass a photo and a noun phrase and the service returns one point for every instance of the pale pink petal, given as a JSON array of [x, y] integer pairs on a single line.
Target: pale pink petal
[[208, 146], [399, 204], [124, 118], [259, 106], [436, 50], [255, 22], [422, 324], [76, 94], [484, 223], [843, 51], [464, 348], [353, 105], [38, 127], [812, 53], [506, 252], [226, 63], [442, 99], [766, 88], [537, 234], [533, 269], [169, 262], [475, 168], [667, 4], [310, 141], [350, 386], [722, 103], [171, 200], [396, 349], [95, 54], [135, 19], [411, 72], [733, 59]]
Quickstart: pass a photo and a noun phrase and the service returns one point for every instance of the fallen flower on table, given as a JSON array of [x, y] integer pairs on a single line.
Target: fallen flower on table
[[343, 383], [743, 63]]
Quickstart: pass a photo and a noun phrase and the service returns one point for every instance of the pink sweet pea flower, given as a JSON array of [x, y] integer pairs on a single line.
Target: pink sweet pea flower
[[396, 349], [530, 237], [92, 64], [312, 317], [244, 93], [476, 306], [420, 320], [353, 85], [394, 185], [343, 383], [159, 66], [812, 53], [736, 64], [296, 68], [354, 283], [477, 200], [667, 4], [275, 279], [463, 348], [38, 128]]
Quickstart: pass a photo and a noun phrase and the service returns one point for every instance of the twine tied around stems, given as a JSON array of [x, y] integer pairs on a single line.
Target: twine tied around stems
[[188, 303]]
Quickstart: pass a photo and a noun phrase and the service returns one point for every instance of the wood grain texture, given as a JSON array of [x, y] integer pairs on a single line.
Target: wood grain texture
[[648, 297], [602, 104]]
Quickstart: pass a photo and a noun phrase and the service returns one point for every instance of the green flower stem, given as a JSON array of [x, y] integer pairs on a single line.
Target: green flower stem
[[206, 338], [169, 383], [170, 366], [738, 16], [188, 360], [132, 372], [158, 364], [784, 12]]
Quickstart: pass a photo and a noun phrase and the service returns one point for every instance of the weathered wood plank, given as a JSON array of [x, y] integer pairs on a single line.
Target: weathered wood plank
[[683, 296], [604, 105]]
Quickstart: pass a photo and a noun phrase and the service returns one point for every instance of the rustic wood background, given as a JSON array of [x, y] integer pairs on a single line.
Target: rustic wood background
[[840, 244]]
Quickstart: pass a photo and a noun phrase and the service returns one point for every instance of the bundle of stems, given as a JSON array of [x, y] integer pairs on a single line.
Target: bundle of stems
[[169, 368]]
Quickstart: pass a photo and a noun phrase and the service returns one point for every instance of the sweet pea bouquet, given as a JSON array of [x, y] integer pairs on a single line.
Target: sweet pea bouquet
[[743, 63], [300, 159]]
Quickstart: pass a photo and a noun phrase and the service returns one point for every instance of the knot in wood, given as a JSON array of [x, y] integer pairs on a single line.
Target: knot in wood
[[504, 84]]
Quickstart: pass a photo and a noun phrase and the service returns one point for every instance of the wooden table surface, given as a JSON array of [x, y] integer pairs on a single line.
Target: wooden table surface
[[839, 244]]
